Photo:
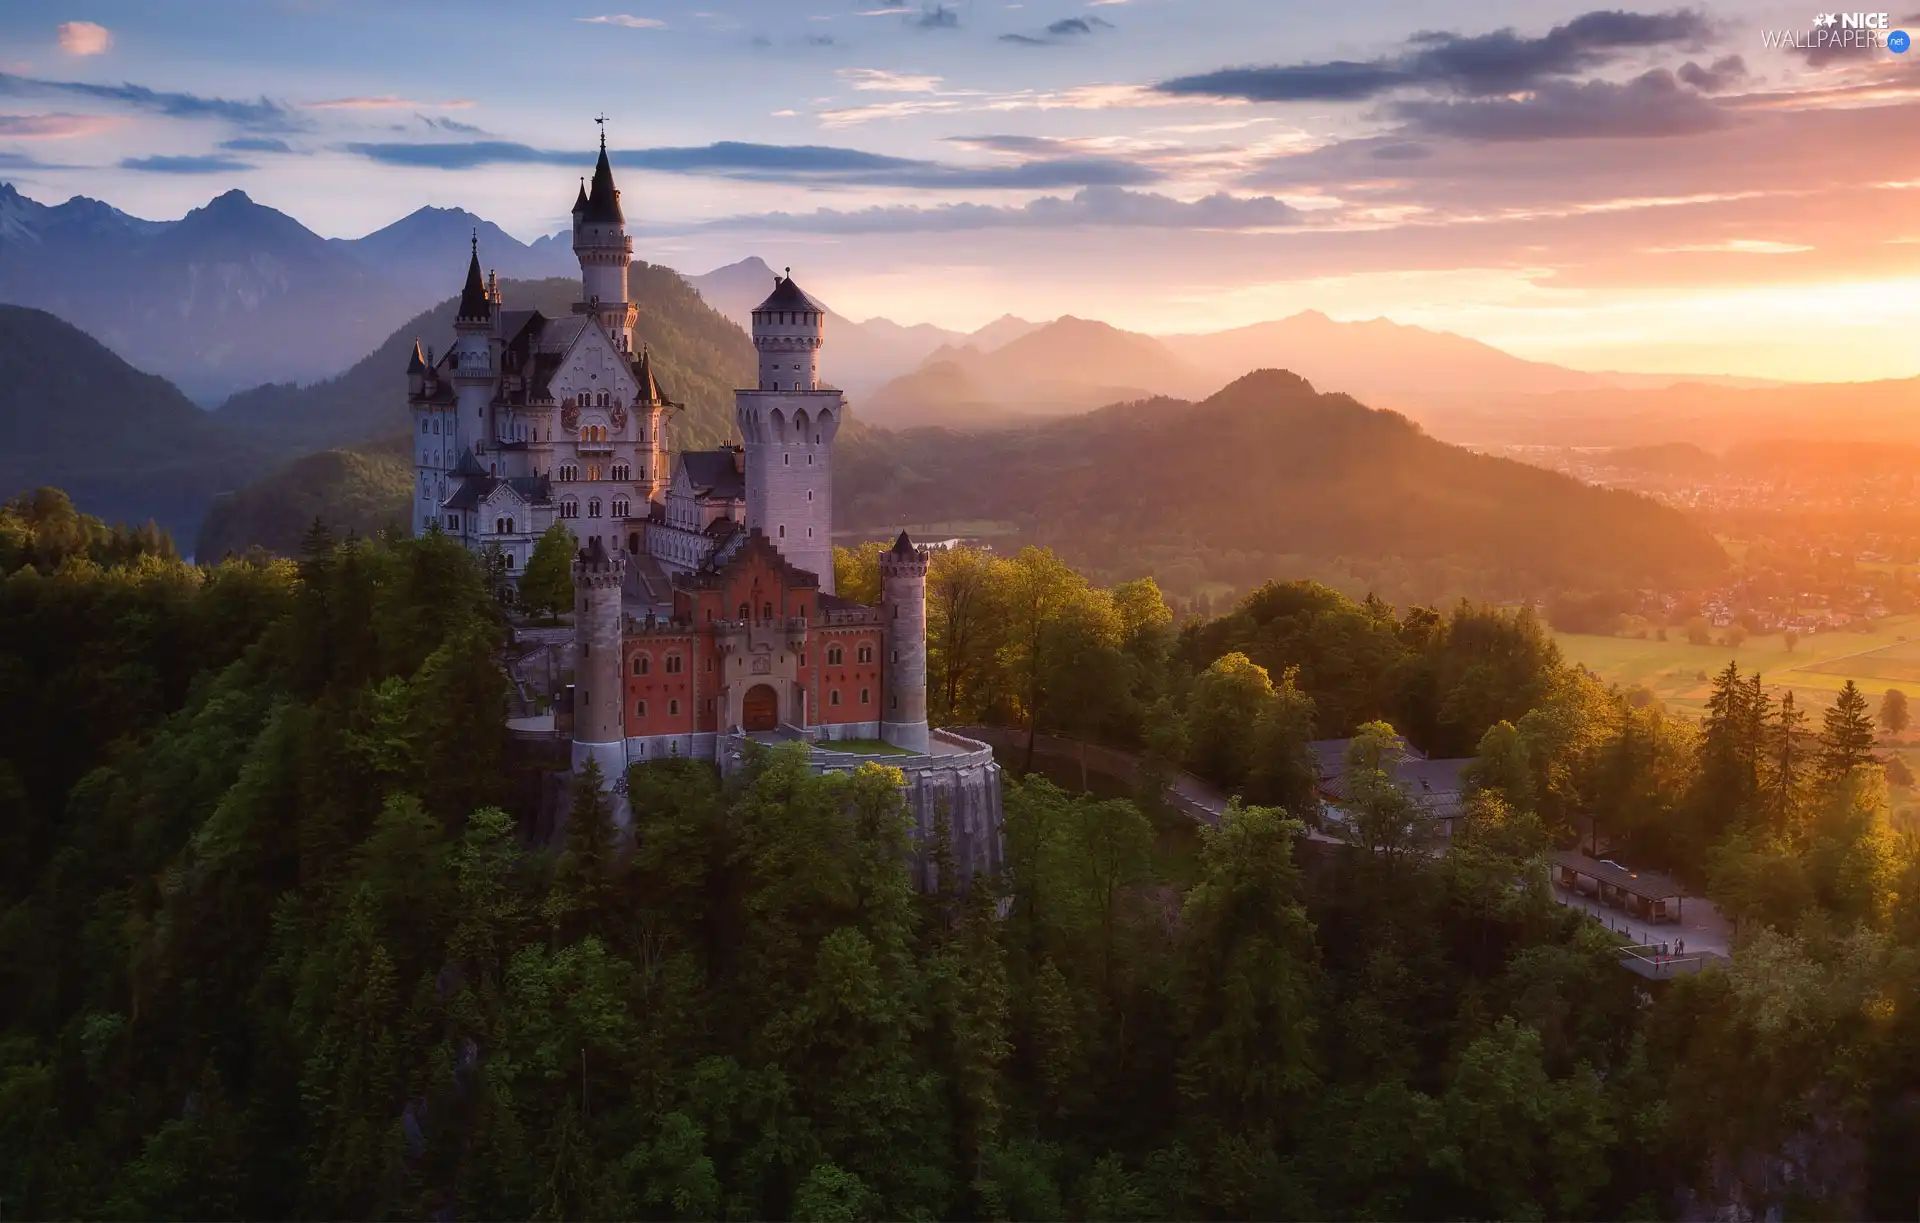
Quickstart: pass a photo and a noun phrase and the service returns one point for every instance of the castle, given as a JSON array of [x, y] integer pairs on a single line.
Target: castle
[[704, 610]]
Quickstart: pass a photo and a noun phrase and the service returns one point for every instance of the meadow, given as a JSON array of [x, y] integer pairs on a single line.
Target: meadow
[[1879, 656]]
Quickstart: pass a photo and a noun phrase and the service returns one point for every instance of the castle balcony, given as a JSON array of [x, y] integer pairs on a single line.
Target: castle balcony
[[594, 447]]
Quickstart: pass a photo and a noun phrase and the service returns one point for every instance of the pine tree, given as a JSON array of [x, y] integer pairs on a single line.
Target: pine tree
[[584, 882], [1786, 780], [1846, 734]]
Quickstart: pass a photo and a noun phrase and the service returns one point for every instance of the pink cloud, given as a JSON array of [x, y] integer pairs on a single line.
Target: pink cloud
[[53, 127], [84, 38]]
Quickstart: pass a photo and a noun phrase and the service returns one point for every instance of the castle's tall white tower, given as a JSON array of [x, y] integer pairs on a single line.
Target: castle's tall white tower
[[599, 725], [473, 371], [787, 426], [903, 605], [601, 244]]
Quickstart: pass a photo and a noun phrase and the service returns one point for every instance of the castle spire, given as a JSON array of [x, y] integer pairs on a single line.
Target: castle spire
[[603, 200], [474, 300]]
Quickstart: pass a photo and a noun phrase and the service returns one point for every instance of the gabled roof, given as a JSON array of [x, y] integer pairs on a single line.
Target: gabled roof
[[712, 474], [650, 389], [468, 465], [755, 543], [787, 295], [474, 491]]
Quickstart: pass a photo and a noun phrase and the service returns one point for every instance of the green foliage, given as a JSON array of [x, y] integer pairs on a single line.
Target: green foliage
[[358, 491], [546, 584]]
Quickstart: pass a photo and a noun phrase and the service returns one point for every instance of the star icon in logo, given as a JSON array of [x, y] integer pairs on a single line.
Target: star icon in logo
[[1825, 19]]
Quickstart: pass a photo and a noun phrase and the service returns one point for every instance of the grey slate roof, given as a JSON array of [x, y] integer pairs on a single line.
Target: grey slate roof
[[787, 295], [473, 297], [603, 201], [712, 474]]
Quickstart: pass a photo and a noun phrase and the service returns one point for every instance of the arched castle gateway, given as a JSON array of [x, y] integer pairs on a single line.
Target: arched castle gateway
[[705, 613]]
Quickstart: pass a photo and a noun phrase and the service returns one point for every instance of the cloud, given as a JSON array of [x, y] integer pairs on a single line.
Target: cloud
[[935, 17], [386, 101], [1652, 104], [878, 80], [1479, 65], [256, 144], [818, 164], [209, 164], [54, 126], [23, 161], [1725, 73], [84, 38], [1089, 207], [450, 125], [261, 114], [626, 21], [896, 10], [1060, 31]]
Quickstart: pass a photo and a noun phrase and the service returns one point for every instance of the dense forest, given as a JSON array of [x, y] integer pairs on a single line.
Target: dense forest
[[279, 937]]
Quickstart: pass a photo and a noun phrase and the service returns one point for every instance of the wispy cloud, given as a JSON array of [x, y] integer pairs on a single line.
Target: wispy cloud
[[84, 38], [53, 127], [208, 164], [386, 101], [1478, 65], [960, 101], [878, 80], [626, 20], [1088, 208], [258, 114], [256, 144], [444, 124], [817, 164], [1652, 104], [935, 17], [1733, 246]]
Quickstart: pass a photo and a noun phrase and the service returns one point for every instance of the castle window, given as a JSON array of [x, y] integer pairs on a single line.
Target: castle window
[[593, 507], [509, 562], [783, 530], [709, 672], [673, 664], [896, 656], [836, 656], [423, 425], [641, 664], [896, 702], [809, 532], [620, 507], [593, 471], [509, 526], [499, 526], [746, 612], [766, 611], [833, 697], [569, 508], [809, 494], [633, 541], [786, 460], [865, 653], [803, 658], [866, 696], [673, 709], [639, 709]]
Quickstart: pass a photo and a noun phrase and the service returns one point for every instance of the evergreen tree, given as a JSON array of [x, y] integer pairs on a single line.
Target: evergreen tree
[[1846, 734], [1786, 773], [585, 883]]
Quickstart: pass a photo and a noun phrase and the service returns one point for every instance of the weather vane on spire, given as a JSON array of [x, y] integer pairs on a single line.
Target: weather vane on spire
[[601, 119]]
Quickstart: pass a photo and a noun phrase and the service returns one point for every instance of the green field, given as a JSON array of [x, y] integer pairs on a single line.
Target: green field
[[1881, 656]]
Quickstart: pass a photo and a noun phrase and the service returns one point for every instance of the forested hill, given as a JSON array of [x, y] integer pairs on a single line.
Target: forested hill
[[1264, 475], [126, 445], [699, 354]]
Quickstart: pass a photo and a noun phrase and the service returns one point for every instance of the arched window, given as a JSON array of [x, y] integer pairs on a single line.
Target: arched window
[[766, 611], [593, 471], [673, 709], [639, 709], [633, 541], [593, 507], [864, 653], [833, 697], [673, 664], [836, 656], [499, 526], [509, 526], [866, 696], [423, 426], [642, 664], [569, 508]]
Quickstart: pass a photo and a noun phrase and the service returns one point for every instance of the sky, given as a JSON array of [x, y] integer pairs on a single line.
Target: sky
[[1651, 188]]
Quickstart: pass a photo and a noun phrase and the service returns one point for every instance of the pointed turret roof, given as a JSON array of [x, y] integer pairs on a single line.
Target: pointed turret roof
[[417, 364], [603, 201], [650, 389], [787, 295], [580, 201], [473, 298], [903, 546]]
